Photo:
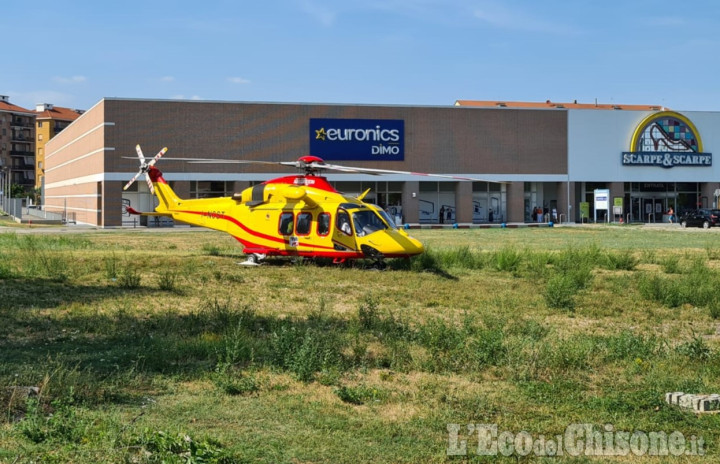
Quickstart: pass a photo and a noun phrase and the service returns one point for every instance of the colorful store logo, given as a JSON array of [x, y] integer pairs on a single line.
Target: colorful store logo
[[358, 139], [666, 139]]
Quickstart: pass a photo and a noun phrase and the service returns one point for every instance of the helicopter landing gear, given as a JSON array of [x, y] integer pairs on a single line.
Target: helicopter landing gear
[[253, 259]]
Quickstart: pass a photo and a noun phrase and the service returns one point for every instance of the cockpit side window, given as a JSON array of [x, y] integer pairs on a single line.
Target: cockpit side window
[[342, 222], [323, 224], [367, 222]]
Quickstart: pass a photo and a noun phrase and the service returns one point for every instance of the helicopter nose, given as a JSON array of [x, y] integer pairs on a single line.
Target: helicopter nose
[[416, 247], [404, 245]]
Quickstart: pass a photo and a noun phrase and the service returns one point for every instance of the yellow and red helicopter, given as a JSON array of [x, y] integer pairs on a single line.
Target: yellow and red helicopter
[[296, 215]]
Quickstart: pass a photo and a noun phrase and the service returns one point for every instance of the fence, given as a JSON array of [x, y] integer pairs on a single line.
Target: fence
[[16, 208], [13, 206]]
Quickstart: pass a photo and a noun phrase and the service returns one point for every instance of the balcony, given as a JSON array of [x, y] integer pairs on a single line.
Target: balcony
[[22, 153], [23, 124]]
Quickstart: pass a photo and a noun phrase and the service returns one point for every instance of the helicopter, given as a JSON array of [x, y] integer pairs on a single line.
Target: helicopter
[[291, 216]]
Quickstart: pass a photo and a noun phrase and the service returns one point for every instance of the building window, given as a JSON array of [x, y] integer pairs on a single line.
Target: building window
[[208, 189], [39, 136], [40, 123]]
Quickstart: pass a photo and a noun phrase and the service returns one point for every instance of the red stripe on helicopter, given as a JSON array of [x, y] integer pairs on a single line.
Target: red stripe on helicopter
[[257, 234]]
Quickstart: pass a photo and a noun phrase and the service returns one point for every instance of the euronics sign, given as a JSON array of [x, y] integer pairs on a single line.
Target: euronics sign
[[358, 139]]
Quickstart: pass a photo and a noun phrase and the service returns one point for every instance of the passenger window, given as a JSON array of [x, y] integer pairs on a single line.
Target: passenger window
[[286, 224], [323, 227], [343, 222], [303, 223]]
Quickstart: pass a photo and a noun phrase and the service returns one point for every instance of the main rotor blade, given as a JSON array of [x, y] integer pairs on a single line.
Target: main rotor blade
[[218, 161], [372, 171]]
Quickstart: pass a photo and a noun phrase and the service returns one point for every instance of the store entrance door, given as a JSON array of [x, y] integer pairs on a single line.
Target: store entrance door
[[648, 209]]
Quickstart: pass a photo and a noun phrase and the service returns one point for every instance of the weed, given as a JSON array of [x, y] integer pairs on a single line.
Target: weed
[[305, 352], [210, 249], [368, 313], [713, 251], [161, 446], [129, 278], [60, 424], [242, 385], [671, 264], [648, 256], [487, 347], [629, 346], [621, 260], [571, 353], [462, 258], [529, 328], [6, 271], [508, 259], [695, 349], [111, 267], [537, 264], [167, 280], [560, 292], [360, 394], [714, 308]]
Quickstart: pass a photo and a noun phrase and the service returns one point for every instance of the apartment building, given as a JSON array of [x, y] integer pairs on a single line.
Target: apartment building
[[17, 144], [50, 120]]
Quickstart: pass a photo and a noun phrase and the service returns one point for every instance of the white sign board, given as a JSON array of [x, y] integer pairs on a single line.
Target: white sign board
[[602, 199]]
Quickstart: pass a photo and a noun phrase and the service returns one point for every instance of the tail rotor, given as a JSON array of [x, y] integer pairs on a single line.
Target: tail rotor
[[145, 167]]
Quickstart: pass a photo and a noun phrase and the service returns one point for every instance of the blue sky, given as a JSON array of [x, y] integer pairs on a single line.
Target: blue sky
[[405, 52]]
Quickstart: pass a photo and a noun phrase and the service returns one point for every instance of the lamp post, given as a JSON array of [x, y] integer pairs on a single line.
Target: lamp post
[[3, 186]]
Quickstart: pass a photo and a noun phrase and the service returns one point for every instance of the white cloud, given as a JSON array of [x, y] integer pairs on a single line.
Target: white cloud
[[501, 16], [167, 79], [238, 80], [183, 97], [319, 12], [70, 80]]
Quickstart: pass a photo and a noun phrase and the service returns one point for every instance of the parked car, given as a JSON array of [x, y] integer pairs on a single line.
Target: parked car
[[704, 218]]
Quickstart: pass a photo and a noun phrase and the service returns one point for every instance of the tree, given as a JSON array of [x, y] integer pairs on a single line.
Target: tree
[[17, 191]]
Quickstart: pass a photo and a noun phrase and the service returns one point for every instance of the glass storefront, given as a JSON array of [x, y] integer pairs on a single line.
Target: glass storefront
[[650, 201], [489, 202], [387, 195]]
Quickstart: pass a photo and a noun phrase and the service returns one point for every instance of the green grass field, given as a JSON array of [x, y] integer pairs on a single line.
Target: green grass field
[[156, 346]]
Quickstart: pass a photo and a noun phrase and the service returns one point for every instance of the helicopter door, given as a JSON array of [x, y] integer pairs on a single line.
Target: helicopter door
[[343, 236]]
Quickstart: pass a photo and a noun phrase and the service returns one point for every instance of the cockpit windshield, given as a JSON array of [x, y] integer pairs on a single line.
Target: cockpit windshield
[[366, 222], [385, 216]]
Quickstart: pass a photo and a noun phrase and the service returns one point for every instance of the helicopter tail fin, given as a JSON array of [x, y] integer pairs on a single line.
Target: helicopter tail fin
[[168, 199]]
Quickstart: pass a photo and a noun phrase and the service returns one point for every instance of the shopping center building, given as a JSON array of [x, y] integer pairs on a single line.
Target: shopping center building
[[555, 157]]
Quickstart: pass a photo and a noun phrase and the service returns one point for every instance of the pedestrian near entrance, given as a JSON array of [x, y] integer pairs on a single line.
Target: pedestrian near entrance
[[671, 215], [442, 215]]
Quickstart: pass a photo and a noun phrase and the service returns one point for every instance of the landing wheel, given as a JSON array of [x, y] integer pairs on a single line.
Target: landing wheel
[[253, 259]]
